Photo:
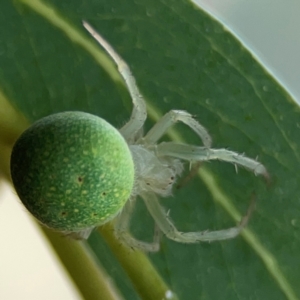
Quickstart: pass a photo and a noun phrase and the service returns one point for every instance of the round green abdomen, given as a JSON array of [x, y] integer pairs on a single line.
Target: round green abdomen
[[72, 171]]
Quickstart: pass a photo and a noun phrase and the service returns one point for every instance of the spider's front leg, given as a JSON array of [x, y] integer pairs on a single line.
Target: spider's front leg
[[139, 112], [194, 153], [168, 228], [169, 119], [122, 232]]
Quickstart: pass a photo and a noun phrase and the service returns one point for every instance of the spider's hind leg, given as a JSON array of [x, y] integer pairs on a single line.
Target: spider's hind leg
[[122, 231], [168, 228]]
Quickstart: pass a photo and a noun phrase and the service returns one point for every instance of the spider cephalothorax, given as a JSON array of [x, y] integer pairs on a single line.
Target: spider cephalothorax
[[73, 171]]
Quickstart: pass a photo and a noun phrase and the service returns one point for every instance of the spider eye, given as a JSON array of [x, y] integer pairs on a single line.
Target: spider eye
[[62, 166]]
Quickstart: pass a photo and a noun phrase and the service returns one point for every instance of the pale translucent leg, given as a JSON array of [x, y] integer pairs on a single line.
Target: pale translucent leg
[[139, 112], [194, 153], [122, 231], [168, 228], [169, 119], [80, 235]]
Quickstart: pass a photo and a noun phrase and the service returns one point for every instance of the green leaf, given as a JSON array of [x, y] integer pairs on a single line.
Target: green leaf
[[182, 59]]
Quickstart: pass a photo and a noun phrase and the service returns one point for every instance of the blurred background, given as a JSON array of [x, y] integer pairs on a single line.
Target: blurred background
[[269, 29]]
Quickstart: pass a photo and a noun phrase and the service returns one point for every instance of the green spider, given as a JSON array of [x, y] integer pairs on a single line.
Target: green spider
[[74, 172]]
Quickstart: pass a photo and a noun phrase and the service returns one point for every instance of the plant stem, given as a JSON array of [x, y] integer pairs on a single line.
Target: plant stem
[[91, 280], [148, 283]]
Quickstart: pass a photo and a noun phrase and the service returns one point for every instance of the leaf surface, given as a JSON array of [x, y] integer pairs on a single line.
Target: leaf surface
[[182, 59]]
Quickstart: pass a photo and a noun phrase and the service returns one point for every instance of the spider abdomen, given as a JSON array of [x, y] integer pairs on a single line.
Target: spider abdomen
[[72, 171]]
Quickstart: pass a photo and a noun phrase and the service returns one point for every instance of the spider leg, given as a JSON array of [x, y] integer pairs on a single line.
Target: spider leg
[[168, 228], [139, 112], [194, 153], [169, 119], [79, 235], [122, 231]]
